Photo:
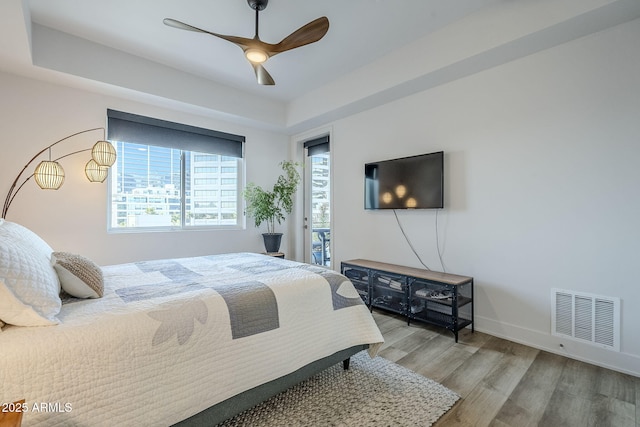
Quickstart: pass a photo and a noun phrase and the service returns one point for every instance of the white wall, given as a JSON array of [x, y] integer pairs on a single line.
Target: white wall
[[34, 114], [542, 186]]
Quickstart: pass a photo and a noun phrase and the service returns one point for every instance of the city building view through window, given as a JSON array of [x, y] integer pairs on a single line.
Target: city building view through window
[[161, 187], [320, 208]]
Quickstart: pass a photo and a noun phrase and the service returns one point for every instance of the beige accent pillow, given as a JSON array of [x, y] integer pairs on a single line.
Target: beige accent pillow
[[79, 276]]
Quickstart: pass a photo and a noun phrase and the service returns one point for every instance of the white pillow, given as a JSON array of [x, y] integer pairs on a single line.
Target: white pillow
[[79, 276], [29, 286], [12, 230]]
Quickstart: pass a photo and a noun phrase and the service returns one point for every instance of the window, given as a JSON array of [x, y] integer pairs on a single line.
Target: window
[[208, 169], [205, 181], [169, 175], [205, 158]]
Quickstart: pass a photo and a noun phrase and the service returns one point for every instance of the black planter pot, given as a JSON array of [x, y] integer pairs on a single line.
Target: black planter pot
[[272, 241]]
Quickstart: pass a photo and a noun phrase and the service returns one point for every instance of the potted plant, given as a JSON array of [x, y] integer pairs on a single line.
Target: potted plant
[[271, 206]]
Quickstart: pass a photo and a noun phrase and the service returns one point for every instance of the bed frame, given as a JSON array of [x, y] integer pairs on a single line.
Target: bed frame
[[250, 398]]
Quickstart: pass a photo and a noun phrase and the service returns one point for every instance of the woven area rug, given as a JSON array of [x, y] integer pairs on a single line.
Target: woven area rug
[[373, 392]]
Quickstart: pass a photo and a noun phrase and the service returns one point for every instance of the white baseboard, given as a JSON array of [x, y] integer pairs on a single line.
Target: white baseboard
[[617, 361]]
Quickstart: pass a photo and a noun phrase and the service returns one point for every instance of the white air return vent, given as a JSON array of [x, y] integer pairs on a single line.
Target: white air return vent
[[586, 317]]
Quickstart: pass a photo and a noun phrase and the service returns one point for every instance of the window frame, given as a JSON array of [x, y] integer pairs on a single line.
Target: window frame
[[185, 174]]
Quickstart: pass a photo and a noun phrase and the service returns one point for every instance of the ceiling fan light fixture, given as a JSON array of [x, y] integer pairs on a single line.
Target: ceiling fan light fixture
[[258, 52], [256, 56]]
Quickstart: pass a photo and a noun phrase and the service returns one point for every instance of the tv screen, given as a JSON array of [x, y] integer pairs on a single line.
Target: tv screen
[[415, 182]]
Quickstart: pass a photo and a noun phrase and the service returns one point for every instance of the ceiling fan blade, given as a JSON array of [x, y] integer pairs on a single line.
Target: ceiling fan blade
[[264, 78], [310, 33], [240, 41], [181, 25]]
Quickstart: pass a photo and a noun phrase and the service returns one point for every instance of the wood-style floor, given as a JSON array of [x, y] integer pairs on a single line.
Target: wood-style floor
[[503, 383]]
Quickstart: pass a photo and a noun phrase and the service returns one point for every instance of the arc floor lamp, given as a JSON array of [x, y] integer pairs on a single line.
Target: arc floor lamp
[[49, 174]]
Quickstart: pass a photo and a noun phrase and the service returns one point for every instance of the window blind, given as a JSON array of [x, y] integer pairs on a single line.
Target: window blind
[[137, 129], [317, 146]]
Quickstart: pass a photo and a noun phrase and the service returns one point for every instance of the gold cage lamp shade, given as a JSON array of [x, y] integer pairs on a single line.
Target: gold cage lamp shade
[[49, 175], [104, 154], [95, 172]]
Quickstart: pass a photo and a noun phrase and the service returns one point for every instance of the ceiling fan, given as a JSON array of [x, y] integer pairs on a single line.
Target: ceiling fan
[[255, 50]]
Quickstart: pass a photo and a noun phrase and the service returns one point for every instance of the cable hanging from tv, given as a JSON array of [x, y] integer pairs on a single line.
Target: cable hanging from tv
[[414, 250]]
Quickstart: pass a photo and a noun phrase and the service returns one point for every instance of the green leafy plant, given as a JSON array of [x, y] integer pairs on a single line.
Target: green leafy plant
[[271, 206]]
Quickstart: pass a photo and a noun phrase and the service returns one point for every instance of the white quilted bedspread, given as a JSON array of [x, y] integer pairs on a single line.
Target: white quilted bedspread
[[172, 337]]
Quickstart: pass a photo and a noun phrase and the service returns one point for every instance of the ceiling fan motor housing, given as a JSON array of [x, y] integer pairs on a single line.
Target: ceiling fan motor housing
[[258, 4]]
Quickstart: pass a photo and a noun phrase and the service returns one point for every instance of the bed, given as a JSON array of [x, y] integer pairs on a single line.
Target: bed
[[188, 341]]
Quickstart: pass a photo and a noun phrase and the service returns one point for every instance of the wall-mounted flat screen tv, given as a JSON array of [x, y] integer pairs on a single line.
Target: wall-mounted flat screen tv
[[415, 182]]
